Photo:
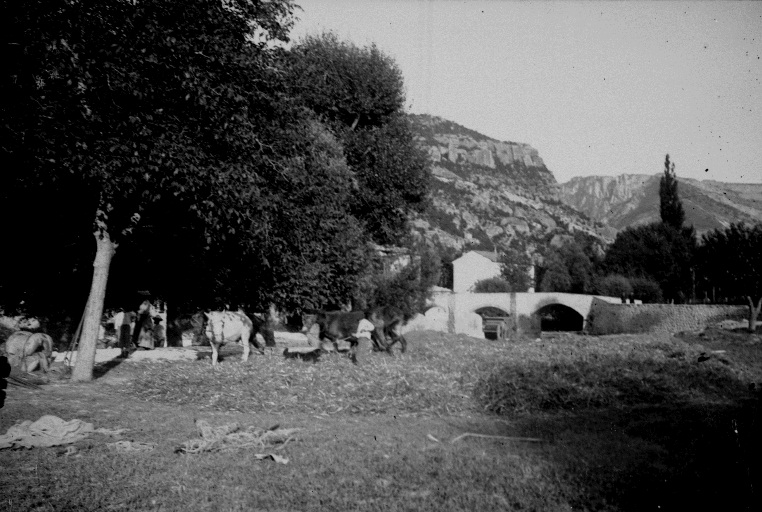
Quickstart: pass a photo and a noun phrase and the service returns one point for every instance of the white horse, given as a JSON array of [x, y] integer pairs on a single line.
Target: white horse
[[226, 326]]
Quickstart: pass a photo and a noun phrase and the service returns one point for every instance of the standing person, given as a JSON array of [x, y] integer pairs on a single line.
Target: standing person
[[158, 332], [361, 342], [143, 323]]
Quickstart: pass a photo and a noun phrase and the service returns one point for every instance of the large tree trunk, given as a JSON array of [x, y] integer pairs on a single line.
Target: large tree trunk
[[105, 248], [753, 313]]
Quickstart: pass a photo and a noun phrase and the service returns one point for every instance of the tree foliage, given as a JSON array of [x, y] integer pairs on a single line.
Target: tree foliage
[[555, 274], [730, 261], [493, 285], [408, 289], [191, 146], [614, 285], [359, 93], [670, 205], [658, 252], [646, 290], [567, 269], [515, 267], [162, 128]]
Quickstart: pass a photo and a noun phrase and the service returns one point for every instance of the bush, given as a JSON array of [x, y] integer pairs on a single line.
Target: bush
[[409, 289], [614, 285], [492, 285], [603, 319], [646, 290]]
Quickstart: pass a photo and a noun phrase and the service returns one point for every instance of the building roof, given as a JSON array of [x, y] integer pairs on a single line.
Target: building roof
[[490, 255]]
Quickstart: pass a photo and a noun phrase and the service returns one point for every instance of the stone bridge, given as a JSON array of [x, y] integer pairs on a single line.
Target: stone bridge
[[459, 312]]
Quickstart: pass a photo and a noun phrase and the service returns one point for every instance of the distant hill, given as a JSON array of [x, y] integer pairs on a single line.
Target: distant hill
[[486, 192], [633, 199]]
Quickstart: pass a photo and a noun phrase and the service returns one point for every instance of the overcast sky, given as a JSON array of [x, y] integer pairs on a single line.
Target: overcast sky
[[598, 88]]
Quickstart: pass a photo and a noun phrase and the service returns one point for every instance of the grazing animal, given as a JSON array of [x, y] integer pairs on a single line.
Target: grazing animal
[[27, 350], [226, 326]]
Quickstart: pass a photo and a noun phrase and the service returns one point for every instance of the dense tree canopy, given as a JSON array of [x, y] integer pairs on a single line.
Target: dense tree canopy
[[658, 252], [359, 93], [515, 267], [614, 285], [141, 107], [167, 130], [178, 136], [493, 285], [730, 263], [567, 268], [661, 252]]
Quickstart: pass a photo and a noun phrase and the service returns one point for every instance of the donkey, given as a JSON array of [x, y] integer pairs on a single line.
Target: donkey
[[226, 326]]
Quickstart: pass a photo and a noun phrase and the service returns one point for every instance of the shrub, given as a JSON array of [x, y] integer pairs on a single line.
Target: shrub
[[409, 289], [614, 285], [646, 290], [492, 285], [603, 319]]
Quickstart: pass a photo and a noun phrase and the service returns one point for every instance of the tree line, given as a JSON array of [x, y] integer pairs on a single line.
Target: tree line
[[186, 149], [659, 262]]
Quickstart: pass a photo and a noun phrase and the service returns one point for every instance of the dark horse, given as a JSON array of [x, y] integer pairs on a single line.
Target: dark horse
[[340, 325]]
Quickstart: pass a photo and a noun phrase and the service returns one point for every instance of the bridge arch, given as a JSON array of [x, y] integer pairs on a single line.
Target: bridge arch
[[536, 303], [559, 317]]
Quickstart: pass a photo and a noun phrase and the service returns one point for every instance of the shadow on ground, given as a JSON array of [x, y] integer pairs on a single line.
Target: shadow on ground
[[689, 457]]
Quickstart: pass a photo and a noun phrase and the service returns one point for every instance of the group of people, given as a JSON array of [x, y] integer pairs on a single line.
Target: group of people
[[140, 330]]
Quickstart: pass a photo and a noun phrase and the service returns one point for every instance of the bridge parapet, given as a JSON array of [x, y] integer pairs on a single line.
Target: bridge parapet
[[460, 307]]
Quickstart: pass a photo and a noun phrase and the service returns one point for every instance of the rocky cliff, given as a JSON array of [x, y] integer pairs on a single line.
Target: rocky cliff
[[633, 199], [487, 193]]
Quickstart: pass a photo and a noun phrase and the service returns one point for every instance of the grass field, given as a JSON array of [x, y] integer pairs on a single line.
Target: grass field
[[565, 423]]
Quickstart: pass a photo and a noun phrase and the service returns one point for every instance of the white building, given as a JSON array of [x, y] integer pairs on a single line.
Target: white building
[[472, 267]]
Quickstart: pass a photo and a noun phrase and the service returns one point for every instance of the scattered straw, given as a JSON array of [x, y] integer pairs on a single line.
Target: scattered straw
[[231, 437], [131, 446], [502, 438]]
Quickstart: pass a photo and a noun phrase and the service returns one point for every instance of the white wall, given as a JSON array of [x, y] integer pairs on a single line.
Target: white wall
[[470, 268]]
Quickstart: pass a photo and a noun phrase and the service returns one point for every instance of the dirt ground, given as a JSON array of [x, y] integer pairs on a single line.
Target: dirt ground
[[609, 459]]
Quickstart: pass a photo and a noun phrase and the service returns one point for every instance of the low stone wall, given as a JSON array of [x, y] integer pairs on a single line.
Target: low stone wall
[[606, 318]]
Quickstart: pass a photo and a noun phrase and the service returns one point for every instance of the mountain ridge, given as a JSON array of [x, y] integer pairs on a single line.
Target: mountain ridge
[[633, 199], [489, 194]]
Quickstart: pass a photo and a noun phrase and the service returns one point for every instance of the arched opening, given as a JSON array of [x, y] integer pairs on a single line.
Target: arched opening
[[495, 322], [557, 317]]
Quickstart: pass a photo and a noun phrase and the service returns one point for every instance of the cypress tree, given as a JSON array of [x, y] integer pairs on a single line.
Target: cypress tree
[[671, 208]]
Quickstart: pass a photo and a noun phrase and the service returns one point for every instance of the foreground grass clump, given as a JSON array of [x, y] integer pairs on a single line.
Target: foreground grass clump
[[573, 372]]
